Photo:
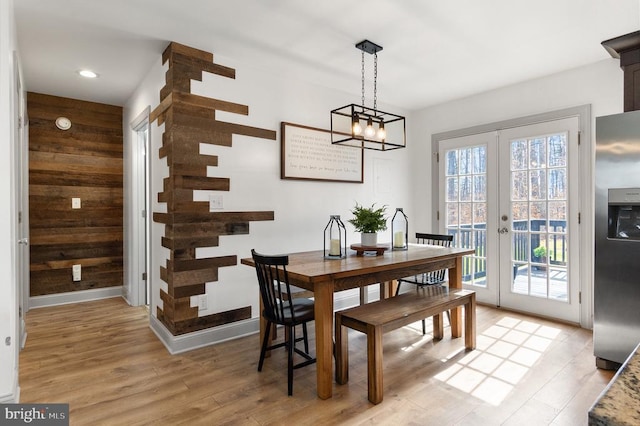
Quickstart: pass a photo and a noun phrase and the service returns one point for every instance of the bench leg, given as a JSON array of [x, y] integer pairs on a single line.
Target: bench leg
[[342, 352], [470, 323], [374, 363], [438, 326]]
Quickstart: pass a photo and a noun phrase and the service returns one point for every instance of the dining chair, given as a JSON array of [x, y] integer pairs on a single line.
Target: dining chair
[[435, 278], [280, 307]]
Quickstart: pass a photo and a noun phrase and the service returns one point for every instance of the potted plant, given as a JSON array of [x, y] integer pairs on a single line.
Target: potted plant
[[368, 221], [541, 253]]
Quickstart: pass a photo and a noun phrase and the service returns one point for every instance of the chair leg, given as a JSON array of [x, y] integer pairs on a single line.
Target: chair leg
[[263, 351], [398, 288], [424, 327], [305, 337], [290, 344]]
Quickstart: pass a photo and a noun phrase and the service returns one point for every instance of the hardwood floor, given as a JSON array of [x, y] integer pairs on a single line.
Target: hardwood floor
[[102, 359]]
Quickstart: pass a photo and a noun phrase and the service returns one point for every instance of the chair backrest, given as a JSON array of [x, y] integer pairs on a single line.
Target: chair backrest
[[274, 286], [436, 240]]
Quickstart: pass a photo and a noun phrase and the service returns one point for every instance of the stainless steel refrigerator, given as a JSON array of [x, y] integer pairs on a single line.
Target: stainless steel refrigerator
[[616, 330]]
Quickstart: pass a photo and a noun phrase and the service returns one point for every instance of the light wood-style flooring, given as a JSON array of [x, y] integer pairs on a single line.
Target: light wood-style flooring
[[102, 358]]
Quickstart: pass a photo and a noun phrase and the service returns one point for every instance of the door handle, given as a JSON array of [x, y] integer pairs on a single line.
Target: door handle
[[24, 241], [503, 230]]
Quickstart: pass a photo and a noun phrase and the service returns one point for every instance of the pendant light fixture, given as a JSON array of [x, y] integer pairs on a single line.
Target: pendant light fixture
[[363, 127]]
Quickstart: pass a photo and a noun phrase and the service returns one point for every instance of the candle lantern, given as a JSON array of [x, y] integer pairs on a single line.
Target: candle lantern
[[335, 239], [399, 230]]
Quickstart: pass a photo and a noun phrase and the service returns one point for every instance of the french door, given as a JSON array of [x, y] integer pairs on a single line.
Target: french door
[[512, 195]]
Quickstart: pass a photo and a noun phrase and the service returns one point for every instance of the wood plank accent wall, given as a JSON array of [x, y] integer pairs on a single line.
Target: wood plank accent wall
[[188, 121], [84, 162]]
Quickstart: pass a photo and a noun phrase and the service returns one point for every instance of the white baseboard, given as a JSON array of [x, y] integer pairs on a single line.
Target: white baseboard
[[223, 333], [202, 338], [14, 397], [74, 297]]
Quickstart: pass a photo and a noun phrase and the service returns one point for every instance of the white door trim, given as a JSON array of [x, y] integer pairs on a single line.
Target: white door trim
[[139, 230]]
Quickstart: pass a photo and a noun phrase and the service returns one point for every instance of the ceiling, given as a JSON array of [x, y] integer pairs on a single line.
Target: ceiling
[[434, 51]]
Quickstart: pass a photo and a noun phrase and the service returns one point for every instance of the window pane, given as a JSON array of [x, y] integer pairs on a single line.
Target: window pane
[[465, 161], [518, 155], [479, 159], [558, 150], [558, 210], [521, 246], [537, 153], [451, 167], [452, 214], [452, 189], [538, 184], [465, 214], [519, 187], [465, 188], [520, 215], [479, 188], [557, 184], [479, 214], [538, 212]]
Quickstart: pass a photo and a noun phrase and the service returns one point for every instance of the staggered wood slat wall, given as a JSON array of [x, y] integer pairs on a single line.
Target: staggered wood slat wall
[[190, 120], [83, 162]]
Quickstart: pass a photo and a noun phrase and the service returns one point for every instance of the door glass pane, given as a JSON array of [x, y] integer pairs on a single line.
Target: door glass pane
[[538, 210], [466, 208]]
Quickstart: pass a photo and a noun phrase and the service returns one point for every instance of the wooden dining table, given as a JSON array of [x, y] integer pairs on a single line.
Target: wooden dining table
[[311, 271]]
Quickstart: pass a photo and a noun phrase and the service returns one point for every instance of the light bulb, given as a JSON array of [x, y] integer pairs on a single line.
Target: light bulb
[[357, 128], [369, 131], [382, 133]]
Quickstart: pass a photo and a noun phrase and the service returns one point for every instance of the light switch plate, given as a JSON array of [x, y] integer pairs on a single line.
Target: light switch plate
[[77, 272], [215, 202], [75, 203]]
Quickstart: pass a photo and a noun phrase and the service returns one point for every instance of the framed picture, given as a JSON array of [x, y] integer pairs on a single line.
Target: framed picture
[[306, 153]]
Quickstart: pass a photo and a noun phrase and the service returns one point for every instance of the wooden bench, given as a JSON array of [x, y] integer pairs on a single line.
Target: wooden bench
[[376, 318]]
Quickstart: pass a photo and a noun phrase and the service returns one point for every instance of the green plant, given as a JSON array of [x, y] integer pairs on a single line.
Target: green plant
[[369, 219], [540, 252]]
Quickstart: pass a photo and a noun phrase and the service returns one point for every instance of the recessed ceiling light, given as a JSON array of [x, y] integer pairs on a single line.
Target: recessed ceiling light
[[87, 73]]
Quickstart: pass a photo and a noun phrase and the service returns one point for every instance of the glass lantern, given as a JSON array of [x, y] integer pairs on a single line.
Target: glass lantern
[[335, 239], [399, 230]]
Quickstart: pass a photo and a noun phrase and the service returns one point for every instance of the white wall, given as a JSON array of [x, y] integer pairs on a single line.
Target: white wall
[[301, 208], [8, 283]]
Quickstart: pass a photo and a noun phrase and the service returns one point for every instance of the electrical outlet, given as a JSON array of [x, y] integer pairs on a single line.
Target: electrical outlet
[[77, 272], [215, 202], [202, 302], [76, 203]]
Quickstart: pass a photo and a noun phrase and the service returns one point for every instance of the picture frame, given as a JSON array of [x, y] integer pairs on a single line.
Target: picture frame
[[306, 153]]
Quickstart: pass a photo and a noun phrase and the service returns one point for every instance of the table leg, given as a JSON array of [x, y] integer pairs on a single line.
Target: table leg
[[323, 294], [388, 289], [455, 282]]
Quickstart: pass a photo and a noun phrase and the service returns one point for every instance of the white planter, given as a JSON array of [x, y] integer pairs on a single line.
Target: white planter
[[368, 239]]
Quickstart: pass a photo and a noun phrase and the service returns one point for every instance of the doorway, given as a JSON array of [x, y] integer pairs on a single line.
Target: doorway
[[139, 284], [512, 194]]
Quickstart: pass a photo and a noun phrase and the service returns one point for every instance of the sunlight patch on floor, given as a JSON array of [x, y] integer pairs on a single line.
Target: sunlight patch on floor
[[504, 354]]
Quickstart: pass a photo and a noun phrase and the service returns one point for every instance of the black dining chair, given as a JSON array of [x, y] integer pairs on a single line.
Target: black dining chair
[[281, 307], [436, 278]]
